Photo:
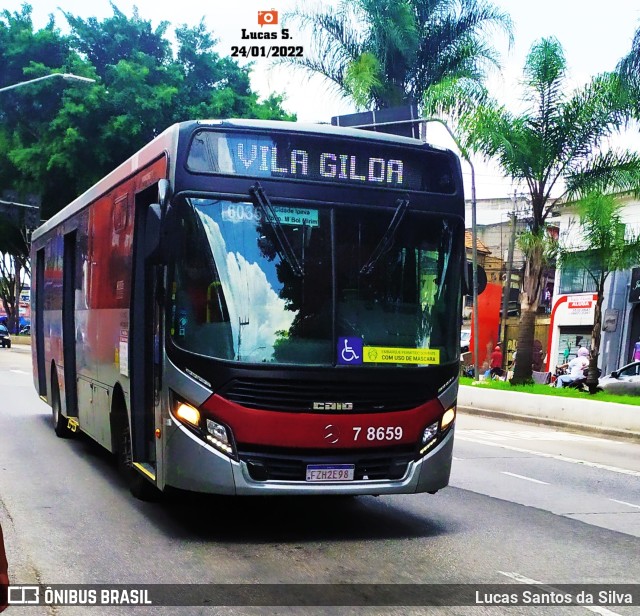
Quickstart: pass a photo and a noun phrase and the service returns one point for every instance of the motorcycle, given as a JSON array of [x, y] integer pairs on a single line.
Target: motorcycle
[[580, 383]]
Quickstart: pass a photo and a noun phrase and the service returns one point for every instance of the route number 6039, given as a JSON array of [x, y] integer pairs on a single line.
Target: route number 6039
[[389, 433]]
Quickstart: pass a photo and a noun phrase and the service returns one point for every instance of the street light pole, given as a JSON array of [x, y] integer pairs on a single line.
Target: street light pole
[[65, 76]]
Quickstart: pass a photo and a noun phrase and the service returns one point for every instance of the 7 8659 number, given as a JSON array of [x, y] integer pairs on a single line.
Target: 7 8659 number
[[389, 433]]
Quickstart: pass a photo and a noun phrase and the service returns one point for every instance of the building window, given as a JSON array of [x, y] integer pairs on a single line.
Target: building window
[[575, 278]]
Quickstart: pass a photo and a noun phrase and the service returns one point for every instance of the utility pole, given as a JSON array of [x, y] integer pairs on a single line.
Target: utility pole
[[506, 294]]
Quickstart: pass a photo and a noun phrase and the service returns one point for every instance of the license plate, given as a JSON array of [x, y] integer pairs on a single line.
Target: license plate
[[330, 472]]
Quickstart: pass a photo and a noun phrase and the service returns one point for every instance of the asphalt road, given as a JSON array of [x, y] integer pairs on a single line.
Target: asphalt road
[[526, 503]]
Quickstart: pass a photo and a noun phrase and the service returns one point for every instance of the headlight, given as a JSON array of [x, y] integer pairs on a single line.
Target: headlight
[[432, 432], [429, 433], [429, 436], [447, 418], [219, 437], [215, 434], [188, 414]]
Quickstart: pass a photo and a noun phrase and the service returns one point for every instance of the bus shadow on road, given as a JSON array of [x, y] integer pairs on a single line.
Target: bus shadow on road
[[265, 519]]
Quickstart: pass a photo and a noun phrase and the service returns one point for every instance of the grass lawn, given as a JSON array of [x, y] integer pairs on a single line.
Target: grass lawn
[[547, 390]]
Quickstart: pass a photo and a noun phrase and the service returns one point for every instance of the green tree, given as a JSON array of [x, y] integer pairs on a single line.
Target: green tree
[[599, 245], [58, 138], [556, 146], [384, 53], [14, 267]]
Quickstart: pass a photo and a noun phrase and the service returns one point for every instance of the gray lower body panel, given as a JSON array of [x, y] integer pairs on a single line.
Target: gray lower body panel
[[193, 465]]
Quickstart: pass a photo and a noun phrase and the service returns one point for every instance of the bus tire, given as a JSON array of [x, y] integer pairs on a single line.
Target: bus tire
[[60, 423], [139, 487]]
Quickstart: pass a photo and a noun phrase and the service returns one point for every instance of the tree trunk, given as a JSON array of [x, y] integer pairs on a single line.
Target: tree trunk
[[593, 374], [524, 350], [528, 307]]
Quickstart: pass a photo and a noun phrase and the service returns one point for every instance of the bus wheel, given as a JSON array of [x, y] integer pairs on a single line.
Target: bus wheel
[[138, 485], [60, 424]]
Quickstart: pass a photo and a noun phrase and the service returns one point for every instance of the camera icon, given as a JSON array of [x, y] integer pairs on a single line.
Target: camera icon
[[267, 18]]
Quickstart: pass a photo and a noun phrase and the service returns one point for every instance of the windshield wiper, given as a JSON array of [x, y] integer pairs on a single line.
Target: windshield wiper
[[289, 256], [387, 238]]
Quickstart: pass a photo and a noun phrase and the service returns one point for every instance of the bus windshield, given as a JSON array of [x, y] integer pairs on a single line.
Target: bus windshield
[[342, 277]]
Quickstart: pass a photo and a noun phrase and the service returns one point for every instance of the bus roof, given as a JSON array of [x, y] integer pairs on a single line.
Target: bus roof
[[316, 129]]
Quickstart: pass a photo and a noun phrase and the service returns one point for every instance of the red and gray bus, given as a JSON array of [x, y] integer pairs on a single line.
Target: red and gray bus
[[256, 307]]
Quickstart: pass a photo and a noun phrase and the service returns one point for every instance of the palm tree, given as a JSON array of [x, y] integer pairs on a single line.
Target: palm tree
[[384, 53], [629, 66], [554, 146]]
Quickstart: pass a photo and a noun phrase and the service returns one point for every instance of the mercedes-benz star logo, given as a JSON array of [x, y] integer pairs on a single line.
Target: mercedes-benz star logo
[[331, 434]]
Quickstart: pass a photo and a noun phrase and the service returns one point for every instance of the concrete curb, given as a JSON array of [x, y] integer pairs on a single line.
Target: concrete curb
[[574, 414], [21, 340], [554, 423]]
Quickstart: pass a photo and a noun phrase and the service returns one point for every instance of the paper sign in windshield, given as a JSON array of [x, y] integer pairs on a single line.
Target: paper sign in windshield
[[296, 216], [398, 355], [245, 212]]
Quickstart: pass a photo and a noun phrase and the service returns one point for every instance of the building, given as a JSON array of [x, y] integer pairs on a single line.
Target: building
[[573, 303]]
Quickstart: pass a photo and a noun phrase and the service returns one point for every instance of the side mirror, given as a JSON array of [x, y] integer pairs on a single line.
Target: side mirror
[[468, 282], [159, 219], [164, 193], [153, 233], [614, 374]]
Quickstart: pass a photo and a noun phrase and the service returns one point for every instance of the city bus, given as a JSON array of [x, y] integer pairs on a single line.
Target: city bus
[[259, 307]]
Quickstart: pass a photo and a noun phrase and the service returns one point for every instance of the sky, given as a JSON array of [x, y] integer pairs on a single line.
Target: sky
[[594, 35]]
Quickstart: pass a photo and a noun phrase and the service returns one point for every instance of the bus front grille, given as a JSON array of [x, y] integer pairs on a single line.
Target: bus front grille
[[297, 396], [387, 465]]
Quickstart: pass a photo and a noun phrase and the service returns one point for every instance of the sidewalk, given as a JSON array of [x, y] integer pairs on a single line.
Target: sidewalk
[[581, 415]]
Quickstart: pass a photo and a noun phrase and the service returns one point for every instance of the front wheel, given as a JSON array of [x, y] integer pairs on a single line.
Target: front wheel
[[60, 423], [139, 487]]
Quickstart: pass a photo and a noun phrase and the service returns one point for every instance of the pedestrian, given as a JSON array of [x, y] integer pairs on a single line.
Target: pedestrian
[[537, 356], [4, 575], [636, 351], [576, 368], [496, 362]]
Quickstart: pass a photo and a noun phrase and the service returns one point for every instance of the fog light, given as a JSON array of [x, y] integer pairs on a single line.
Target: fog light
[[447, 418], [219, 437], [188, 413]]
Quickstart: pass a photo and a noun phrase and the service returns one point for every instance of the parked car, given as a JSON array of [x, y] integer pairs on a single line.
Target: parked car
[[465, 336], [25, 330], [625, 380], [5, 338]]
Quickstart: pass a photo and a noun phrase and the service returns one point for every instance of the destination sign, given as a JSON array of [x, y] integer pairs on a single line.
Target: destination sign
[[321, 158]]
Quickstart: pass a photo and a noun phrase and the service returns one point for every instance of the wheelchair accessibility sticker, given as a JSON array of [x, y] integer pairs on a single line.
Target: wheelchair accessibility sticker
[[350, 350]]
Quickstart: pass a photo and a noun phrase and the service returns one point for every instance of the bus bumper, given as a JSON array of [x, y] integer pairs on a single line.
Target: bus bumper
[[193, 465], [429, 474]]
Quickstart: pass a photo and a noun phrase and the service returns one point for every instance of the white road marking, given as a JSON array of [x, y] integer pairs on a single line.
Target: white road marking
[[605, 467], [623, 503], [525, 580], [529, 435], [19, 371], [526, 478]]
